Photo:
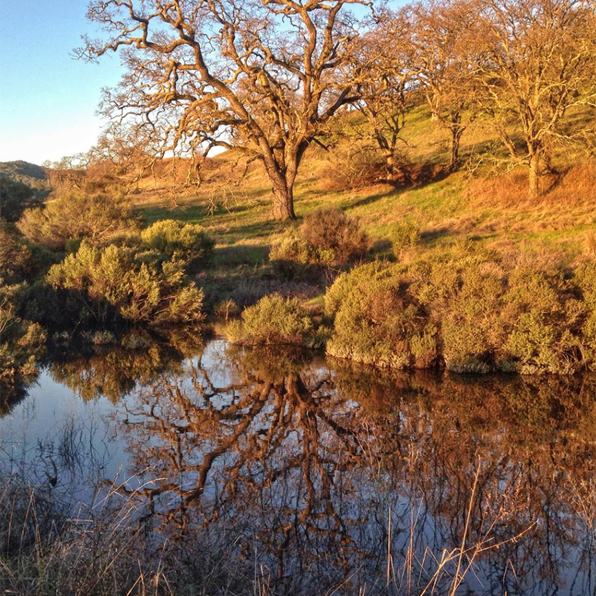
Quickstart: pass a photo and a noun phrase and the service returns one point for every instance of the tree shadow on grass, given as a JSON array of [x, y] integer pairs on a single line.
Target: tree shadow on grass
[[240, 254], [419, 177], [372, 199], [187, 214], [436, 234], [258, 229]]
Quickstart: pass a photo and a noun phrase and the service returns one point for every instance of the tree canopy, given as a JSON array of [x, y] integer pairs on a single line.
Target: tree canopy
[[263, 76], [267, 77]]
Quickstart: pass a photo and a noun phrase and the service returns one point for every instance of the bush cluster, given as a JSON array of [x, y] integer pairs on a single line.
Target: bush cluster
[[466, 312], [179, 241], [326, 237], [378, 320], [404, 235], [15, 197], [76, 216], [274, 320], [105, 285], [354, 166]]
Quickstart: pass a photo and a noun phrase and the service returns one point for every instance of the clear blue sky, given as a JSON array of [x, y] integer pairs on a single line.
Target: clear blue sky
[[47, 98]]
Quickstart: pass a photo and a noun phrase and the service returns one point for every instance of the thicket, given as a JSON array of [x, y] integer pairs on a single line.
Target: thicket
[[326, 237], [15, 197], [20, 259], [274, 320], [180, 242], [103, 286], [466, 312], [112, 277], [75, 216]]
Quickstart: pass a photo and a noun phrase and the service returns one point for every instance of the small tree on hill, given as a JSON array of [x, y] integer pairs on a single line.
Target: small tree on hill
[[263, 76], [382, 90], [438, 48], [536, 62]]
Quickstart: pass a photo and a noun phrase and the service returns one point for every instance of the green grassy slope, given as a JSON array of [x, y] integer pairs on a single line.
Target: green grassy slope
[[479, 203]]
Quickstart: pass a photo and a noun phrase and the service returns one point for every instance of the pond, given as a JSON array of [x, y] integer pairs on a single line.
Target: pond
[[274, 472]]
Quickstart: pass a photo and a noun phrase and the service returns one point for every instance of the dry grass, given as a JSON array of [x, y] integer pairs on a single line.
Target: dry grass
[[233, 201]]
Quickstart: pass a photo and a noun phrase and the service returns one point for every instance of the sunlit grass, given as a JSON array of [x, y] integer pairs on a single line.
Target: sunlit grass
[[475, 203]]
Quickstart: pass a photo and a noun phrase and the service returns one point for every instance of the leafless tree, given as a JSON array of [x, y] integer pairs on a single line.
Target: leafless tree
[[438, 46], [262, 76], [537, 61], [382, 90]]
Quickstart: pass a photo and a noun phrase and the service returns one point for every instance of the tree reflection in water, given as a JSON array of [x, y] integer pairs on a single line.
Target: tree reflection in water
[[340, 478]]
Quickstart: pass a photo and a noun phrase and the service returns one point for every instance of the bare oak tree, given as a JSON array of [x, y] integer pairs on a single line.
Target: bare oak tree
[[382, 86], [537, 61], [262, 76], [438, 47]]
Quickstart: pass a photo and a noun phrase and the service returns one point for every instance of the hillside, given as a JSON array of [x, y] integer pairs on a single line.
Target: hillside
[[27, 173], [482, 202]]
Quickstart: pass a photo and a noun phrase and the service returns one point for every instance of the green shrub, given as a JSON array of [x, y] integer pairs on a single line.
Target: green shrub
[[326, 237], [21, 341], [16, 258], [546, 335], [180, 241], [293, 249], [73, 216], [473, 326], [351, 286], [585, 282], [404, 235], [274, 320], [462, 309], [107, 284], [379, 321]]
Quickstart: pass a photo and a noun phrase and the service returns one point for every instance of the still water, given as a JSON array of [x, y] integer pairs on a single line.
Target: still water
[[320, 477]]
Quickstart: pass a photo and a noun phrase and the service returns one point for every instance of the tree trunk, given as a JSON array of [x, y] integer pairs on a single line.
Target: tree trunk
[[282, 170], [456, 134], [283, 203], [535, 189]]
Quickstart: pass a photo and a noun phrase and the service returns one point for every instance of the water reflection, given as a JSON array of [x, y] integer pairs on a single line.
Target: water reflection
[[115, 372], [337, 478], [274, 472]]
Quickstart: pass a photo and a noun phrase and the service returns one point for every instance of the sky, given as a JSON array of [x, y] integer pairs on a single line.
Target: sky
[[48, 99]]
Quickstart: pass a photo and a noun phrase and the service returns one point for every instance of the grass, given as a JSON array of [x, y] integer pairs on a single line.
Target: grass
[[477, 204]]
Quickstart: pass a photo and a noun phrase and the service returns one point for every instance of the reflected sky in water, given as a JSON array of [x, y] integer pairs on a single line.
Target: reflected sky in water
[[327, 478]]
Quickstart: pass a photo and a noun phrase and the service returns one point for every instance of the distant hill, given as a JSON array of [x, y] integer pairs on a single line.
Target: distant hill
[[27, 173]]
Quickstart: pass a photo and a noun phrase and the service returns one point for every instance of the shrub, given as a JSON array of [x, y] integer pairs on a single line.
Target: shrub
[[379, 321], [293, 249], [273, 320], [332, 230], [15, 197], [16, 258], [21, 341], [404, 235], [354, 166], [226, 309], [326, 237], [107, 284], [473, 326], [463, 309], [184, 242], [545, 337], [585, 282], [72, 216]]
